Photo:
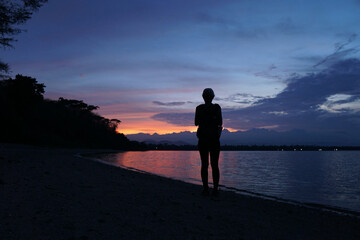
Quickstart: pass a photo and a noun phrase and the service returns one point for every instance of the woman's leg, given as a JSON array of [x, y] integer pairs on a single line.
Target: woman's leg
[[214, 160], [204, 155]]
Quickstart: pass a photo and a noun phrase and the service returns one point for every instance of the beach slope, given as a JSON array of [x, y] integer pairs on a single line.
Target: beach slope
[[52, 194]]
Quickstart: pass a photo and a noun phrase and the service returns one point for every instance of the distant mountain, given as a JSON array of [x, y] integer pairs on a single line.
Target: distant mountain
[[182, 138], [256, 137]]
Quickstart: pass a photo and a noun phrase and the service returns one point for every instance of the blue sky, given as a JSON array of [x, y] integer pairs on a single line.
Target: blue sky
[[279, 65]]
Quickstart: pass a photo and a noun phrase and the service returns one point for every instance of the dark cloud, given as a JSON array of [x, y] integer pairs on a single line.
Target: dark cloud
[[180, 119], [299, 103], [298, 106], [340, 52], [168, 103]]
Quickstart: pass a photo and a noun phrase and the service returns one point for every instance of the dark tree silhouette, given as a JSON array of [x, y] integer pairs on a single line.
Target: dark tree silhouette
[[29, 118], [17, 96], [21, 91], [12, 14]]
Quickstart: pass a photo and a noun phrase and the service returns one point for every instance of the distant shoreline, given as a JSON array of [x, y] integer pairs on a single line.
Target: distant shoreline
[[256, 147]]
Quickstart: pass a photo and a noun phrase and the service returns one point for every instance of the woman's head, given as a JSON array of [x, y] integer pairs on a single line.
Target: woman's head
[[208, 95]]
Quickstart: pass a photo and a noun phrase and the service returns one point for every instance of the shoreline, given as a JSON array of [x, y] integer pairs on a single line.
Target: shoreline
[[332, 208], [52, 194]]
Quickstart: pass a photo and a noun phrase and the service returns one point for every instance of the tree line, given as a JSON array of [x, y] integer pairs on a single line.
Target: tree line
[[27, 117]]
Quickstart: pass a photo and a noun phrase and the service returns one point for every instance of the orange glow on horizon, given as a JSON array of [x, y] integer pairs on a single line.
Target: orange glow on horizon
[[158, 127], [142, 122], [233, 130], [152, 127]]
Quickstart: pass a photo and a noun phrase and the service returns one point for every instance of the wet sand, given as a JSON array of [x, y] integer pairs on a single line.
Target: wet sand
[[52, 194]]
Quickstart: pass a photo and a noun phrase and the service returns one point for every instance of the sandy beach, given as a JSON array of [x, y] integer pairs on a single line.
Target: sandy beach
[[52, 194]]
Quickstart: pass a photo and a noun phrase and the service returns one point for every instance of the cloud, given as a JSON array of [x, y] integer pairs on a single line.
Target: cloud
[[299, 105], [339, 52], [168, 103], [301, 99], [180, 119], [340, 103], [242, 98], [269, 73]]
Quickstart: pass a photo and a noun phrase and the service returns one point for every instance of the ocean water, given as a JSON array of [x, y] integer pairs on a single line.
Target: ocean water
[[321, 177]]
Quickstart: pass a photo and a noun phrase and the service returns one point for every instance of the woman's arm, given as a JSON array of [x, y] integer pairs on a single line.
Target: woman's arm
[[197, 120], [219, 116]]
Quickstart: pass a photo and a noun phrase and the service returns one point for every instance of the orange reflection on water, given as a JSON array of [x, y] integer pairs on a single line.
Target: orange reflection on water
[[175, 164]]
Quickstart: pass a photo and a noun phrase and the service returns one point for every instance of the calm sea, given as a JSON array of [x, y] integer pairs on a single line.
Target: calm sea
[[327, 177]]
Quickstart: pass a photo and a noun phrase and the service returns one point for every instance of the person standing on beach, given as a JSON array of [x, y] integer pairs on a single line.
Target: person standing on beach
[[208, 118]]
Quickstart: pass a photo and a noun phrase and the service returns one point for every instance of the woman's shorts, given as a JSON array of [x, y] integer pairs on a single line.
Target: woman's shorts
[[209, 145]]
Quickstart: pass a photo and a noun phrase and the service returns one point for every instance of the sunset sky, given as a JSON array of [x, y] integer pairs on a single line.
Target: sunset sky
[[278, 65]]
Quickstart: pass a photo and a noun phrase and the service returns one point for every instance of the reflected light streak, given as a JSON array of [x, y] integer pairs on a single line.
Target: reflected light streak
[[162, 163]]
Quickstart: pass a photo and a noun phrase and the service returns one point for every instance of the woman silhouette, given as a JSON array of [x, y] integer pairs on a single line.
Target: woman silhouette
[[209, 119]]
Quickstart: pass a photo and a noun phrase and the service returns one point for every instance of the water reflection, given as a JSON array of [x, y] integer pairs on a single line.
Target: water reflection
[[330, 178], [182, 165]]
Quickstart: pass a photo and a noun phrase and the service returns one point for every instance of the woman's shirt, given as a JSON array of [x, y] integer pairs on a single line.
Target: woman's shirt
[[209, 119]]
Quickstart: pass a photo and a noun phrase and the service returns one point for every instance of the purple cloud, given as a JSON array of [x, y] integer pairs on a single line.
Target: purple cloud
[[168, 103], [180, 119]]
